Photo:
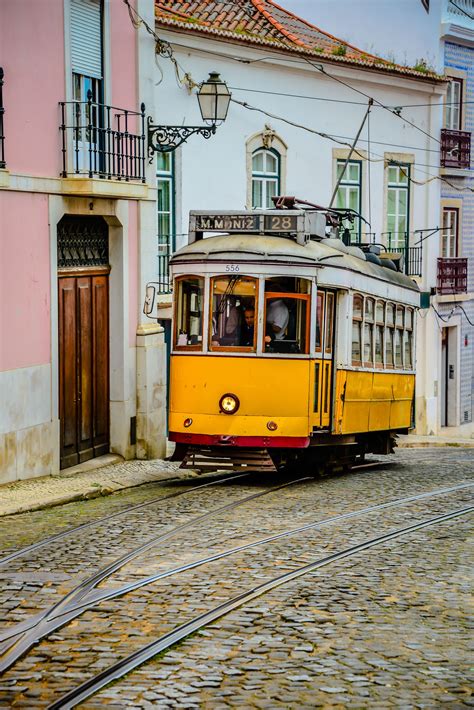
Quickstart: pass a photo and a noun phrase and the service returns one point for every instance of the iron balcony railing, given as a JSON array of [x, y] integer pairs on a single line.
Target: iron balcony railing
[[2, 136], [164, 281], [103, 140], [452, 276], [396, 242], [455, 149]]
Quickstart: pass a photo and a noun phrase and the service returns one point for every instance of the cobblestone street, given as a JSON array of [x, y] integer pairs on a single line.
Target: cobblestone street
[[388, 627]]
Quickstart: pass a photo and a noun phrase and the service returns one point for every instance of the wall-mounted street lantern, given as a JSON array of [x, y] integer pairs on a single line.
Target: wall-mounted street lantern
[[213, 97]]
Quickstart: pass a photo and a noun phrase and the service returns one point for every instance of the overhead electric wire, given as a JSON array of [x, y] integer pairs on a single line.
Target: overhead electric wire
[[137, 21], [342, 101], [379, 103]]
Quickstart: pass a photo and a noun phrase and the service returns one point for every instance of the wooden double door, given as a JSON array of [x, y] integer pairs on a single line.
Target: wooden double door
[[83, 365]]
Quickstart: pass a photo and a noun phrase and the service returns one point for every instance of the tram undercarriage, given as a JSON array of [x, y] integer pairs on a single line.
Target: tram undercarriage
[[325, 453]]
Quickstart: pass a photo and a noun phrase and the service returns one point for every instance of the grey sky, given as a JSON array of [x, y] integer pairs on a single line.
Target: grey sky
[[399, 30]]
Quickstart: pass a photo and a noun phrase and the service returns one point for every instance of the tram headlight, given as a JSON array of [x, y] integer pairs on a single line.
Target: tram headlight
[[229, 403]]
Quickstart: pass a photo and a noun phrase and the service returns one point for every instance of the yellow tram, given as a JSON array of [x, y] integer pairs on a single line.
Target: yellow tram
[[289, 347]]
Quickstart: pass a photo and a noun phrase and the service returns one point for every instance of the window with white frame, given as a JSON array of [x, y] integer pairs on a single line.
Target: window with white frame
[[349, 193], [398, 205], [449, 232], [453, 113], [265, 177], [166, 210]]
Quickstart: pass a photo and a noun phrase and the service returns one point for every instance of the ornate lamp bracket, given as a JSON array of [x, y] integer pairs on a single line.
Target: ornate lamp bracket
[[164, 139]]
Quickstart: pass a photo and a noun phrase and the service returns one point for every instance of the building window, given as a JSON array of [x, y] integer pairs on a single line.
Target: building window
[[398, 205], [453, 112], [166, 211], [265, 178], [349, 193], [449, 233]]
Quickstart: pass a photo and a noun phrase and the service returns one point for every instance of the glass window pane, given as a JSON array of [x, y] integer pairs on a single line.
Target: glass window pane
[[368, 343], [389, 346], [329, 323], [319, 319], [189, 310], [409, 319], [233, 312], [357, 307], [380, 312], [164, 229], [354, 171], [271, 186], [272, 165], [257, 197], [257, 162], [164, 196], [400, 316], [379, 345], [369, 309], [390, 314], [163, 162], [356, 340], [398, 348], [392, 174], [408, 349]]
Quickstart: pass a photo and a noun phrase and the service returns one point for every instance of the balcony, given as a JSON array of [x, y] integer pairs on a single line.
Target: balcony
[[452, 276], [2, 137], [164, 281], [100, 141], [455, 149]]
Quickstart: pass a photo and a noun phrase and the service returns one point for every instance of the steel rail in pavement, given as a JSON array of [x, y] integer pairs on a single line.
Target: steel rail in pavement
[[92, 600], [121, 668], [105, 518], [45, 623]]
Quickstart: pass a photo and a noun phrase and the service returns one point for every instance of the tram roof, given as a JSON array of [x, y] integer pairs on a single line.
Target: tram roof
[[258, 249]]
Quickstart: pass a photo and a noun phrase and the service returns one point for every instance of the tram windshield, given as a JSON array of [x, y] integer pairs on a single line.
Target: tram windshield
[[233, 307], [189, 312], [287, 307]]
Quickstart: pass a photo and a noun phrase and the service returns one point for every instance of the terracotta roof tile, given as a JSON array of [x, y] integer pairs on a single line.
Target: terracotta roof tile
[[263, 22]]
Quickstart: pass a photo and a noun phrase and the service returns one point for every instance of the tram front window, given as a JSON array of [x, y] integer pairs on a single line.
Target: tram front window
[[189, 310], [233, 322], [287, 304]]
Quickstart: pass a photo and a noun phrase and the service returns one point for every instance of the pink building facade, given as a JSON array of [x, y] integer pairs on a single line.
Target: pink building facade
[[81, 372]]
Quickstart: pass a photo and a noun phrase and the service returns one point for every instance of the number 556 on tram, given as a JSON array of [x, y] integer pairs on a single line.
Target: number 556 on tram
[[290, 349]]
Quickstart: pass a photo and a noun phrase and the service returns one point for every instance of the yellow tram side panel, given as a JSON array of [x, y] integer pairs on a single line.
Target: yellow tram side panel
[[268, 389], [372, 401]]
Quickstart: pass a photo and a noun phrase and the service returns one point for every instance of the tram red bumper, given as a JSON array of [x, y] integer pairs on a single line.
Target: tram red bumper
[[254, 442]]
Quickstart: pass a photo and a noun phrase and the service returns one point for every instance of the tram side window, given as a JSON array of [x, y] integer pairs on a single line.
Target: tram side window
[[287, 306], [329, 323], [369, 331], [233, 320], [390, 335], [379, 328], [399, 337], [319, 321], [357, 312], [408, 339], [189, 311]]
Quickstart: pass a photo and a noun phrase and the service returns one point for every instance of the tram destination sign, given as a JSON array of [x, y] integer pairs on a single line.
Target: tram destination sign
[[246, 222]]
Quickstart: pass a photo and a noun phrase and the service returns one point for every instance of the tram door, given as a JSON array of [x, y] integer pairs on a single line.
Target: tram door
[[323, 365]]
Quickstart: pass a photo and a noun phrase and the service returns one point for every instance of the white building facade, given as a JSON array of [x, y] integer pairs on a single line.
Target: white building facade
[[294, 114]]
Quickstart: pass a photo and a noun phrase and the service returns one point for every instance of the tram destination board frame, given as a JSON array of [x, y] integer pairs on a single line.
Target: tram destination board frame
[[300, 224]]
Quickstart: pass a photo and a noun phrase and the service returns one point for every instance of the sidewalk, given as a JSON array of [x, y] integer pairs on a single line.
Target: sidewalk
[[111, 473], [92, 479]]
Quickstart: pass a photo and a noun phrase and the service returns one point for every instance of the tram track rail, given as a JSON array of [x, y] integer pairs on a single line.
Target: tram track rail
[[164, 642], [14, 643], [18, 640], [106, 518]]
